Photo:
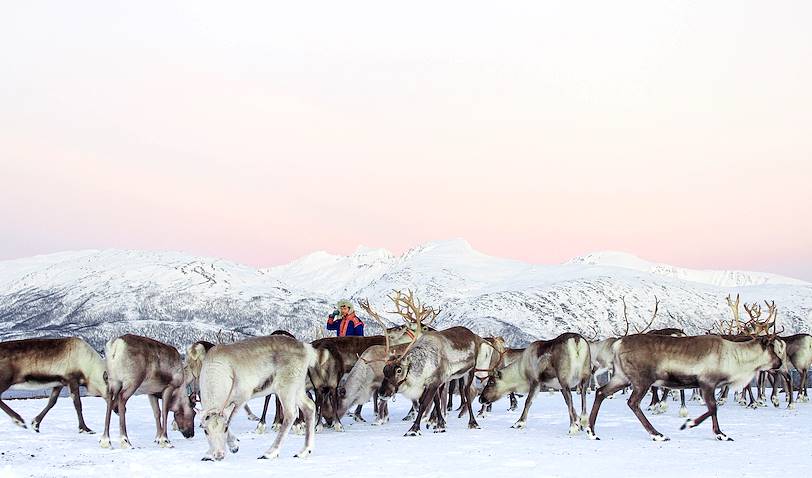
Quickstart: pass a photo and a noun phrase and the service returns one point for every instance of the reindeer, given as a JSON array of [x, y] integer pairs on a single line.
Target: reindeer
[[363, 381], [426, 366], [762, 328], [799, 353], [705, 361], [138, 364], [234, 373], [563, 363], [32, 364]]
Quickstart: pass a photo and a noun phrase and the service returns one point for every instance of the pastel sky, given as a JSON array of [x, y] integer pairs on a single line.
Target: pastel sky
[[262, 131]]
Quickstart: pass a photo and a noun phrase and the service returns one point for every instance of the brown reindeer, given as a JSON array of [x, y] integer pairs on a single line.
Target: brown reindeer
[[563, 363], [799, 353], [705, 362], [32, 364], [138, 364], [432, 361]]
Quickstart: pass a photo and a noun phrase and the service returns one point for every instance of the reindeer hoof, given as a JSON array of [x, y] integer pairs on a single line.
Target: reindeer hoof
[[338, 427], [86, 430], [260, 429], [35, 426], [688, 424], [20, 423], [234, 449], [775, 401], [439, 430], [574, 430], [303, 454], [683, 412], [660, 438], [270, 455], [591, 435], [125, 444], [518, 425], [413, 433], [473, 426], [791, 406], [104, 442], [723, 437], [165, 443]]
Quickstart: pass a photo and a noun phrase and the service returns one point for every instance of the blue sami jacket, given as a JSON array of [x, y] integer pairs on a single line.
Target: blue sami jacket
[[351, 325]]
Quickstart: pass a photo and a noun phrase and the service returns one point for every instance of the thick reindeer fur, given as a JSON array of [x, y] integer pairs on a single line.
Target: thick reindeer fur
[[433, 360], [33, 364], [705, 362], [361, 383], [141, 365], [799, 353], [234, 373], [564, 363]]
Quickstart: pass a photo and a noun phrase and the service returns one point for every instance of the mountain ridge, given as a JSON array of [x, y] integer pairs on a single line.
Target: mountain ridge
[[179, 298]]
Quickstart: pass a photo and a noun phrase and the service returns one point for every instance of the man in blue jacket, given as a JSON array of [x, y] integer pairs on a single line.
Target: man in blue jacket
[[344, 321]]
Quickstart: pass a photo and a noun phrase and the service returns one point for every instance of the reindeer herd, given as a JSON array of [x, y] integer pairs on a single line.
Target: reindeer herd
[[316, 384]]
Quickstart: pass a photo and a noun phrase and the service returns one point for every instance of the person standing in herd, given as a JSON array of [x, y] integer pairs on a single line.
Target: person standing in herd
[[344, 321]]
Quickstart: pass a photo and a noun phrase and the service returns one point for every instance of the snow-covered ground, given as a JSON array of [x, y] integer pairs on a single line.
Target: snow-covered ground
[[768, 442]]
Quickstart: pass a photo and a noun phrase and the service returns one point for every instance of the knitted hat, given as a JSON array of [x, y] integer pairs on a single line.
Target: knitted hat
[[345, 302]]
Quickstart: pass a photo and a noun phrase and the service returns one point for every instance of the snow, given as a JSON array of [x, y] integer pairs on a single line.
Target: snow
[[768, 441]]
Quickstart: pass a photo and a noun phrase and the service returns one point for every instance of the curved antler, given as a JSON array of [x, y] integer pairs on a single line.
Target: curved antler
[[364, 303]]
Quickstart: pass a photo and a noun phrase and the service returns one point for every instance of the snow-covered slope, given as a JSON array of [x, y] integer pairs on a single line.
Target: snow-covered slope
[[179, 298]]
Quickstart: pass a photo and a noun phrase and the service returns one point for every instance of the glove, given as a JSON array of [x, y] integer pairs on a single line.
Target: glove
[[333, 315]]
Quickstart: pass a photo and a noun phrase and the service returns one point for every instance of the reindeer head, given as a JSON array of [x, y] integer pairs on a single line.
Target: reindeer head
[[395, 373], [183, 409], [215, 425], [495, 388]]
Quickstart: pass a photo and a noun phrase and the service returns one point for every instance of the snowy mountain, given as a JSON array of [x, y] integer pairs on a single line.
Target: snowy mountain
[[180, 298]]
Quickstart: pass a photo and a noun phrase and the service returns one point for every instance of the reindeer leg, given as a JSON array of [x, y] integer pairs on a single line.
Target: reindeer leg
[[123, 396], [412, 411], [440, 428], [655, 399], [638, 392], [710, 401], [583, 388], [683, 410], [166, 399], [522, 421], [251, 415], [289, 409], [470, 393], [425, 400], [5, 384], [277, 418], [156, 412], [260, 429], [450, 401], [308, 409], [113, 389], [333, 394], [51, 402], [514, 404], [356, 416], [565, 391], [615, 383], [802, 386], [788, 389]]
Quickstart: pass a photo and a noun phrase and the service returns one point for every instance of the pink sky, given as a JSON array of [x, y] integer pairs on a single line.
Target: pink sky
[[677, 131]]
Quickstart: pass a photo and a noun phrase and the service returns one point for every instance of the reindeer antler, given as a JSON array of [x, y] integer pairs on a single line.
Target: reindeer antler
[[653, 316], [364, 303], [735, 309]]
